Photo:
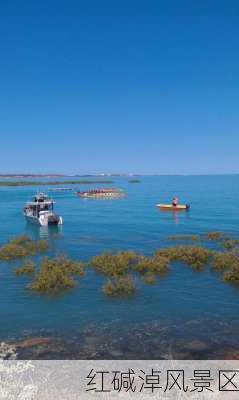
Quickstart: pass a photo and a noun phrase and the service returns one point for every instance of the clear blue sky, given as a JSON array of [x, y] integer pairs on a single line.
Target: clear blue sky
[[119, 86]]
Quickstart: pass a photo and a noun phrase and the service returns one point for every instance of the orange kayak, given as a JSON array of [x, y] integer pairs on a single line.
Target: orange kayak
[[170, 207]]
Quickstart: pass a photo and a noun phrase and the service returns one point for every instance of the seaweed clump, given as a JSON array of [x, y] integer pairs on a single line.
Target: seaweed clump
[[157, 264], [22, 246], [215, 236], [184, 237], [26, 269], [232, 276], [56, 275], [230, 244], [151, 267], [227, 263], [222, 261], [150, 278], [117, 267], [196, 257], [114, 265], [119, 287]]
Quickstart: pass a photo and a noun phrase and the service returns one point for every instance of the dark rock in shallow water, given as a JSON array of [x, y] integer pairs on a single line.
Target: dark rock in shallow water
[[232, 354], [196, 339], [32, 342], [197, 345], [117, 354], [180, 355]]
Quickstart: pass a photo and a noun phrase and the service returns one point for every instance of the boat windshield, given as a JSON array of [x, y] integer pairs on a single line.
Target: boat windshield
[[36, 207]]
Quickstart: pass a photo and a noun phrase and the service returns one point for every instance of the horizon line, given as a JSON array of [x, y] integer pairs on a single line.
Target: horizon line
[[126, 174]]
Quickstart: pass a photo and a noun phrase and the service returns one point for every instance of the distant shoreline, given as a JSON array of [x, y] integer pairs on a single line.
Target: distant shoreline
[[108, 175], [31, 176], [51, 183]]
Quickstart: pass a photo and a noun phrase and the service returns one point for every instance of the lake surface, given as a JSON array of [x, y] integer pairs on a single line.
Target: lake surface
[[184, 307]]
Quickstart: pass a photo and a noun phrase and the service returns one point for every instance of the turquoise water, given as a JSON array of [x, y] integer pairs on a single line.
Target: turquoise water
[[93, 226]]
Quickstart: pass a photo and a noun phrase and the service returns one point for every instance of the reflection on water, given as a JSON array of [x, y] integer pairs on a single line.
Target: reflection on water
[[44, 232], [177, 216]]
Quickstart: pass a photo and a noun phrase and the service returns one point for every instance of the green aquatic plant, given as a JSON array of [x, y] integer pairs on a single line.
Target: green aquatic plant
[[56, 275], [184, 237], [214, 236], [228, 263], [230, 244], [114, 264], [232, 276], [134, 181], [26, 269], [150, 278], [223, 261], [22, 246], [157, 264], [194, 256], [119, 287], [21, 240]]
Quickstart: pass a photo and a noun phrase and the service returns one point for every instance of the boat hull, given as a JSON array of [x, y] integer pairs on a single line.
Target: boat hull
[[44, 221], [170, 207]]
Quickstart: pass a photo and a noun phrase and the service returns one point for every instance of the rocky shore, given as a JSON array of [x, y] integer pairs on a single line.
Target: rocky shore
[[195, 339]]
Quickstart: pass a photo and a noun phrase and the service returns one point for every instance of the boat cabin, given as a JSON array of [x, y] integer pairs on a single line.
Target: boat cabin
[[40, 203]]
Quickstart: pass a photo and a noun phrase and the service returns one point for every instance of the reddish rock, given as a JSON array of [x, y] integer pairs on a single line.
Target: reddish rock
[[32, 342], [197, 345], [231, 355]]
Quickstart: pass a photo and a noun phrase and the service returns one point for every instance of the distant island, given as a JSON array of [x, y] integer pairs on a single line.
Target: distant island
[[48, 183], [33, 176], [30, 176], [103, 175], [134, 181]]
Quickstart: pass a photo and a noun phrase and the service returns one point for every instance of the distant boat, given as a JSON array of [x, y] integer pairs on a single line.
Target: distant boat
[[40, 211], [104, 193], [170, 207]]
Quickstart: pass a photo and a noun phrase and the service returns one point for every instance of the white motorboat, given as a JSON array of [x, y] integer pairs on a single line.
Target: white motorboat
[[41, 211]]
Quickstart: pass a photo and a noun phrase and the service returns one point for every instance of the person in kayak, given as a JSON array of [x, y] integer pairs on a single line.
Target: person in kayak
[[175, 202]]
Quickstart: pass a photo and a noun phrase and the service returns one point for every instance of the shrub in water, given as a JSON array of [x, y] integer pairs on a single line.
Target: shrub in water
[[155, 265], [27, 269], [56, 275], [22, 246], [184, 237], [215, 236], [196, 257], [119, 287], [114, 264], [150, 278], [232, 275], [230, 244], [222, 261]]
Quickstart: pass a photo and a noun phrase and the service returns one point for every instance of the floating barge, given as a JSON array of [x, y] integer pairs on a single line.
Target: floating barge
[[102, 193]]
